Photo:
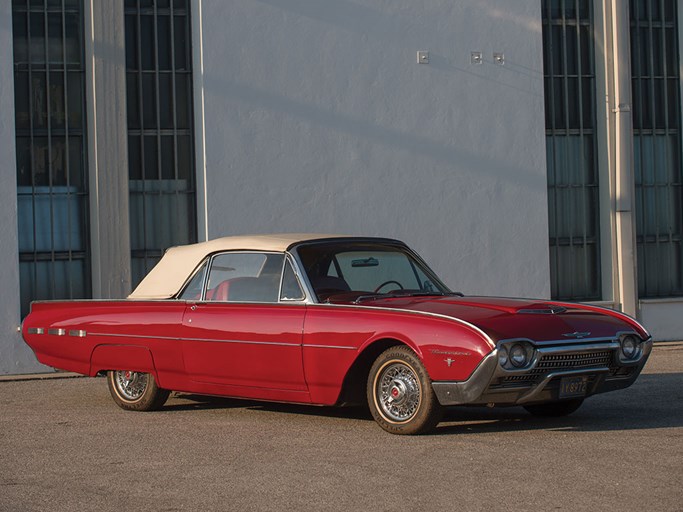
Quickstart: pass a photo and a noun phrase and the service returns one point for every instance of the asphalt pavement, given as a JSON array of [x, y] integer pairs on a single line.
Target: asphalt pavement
[[64, 445]]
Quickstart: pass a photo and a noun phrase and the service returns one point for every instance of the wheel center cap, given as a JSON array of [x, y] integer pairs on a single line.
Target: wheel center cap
[[397, 391], [130, 377]]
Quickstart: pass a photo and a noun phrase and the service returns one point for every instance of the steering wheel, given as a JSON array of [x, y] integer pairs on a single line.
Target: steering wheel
[[390, 281]]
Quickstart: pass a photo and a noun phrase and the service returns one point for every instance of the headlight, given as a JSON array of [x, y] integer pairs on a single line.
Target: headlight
[[518, 356], [502, 355], [629, 347]]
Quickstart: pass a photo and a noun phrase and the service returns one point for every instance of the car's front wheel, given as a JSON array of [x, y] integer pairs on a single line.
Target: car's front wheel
[[555, 409], [400, 393], [136, 391]]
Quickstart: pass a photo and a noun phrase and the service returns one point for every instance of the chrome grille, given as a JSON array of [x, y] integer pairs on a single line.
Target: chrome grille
[[574, 361], [557, 362]]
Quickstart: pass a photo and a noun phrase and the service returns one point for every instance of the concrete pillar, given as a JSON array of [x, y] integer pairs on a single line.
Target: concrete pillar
[[15, 355], [107, 148], [621, 150]]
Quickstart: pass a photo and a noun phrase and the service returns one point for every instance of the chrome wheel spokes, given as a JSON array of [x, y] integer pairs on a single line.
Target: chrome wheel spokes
[[131, 385], [398, 392]]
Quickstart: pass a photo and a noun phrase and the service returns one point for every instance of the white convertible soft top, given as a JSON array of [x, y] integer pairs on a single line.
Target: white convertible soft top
[[167, 277]]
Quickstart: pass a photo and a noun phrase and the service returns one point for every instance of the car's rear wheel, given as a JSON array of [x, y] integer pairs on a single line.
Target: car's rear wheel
[[136, 391], [555, 409], [400, 394]]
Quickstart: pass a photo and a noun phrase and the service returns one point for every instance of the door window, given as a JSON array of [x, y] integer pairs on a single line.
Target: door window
[[245, 277]]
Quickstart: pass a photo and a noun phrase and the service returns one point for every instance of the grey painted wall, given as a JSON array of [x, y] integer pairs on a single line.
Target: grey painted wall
[[15, 356], [318, 118]]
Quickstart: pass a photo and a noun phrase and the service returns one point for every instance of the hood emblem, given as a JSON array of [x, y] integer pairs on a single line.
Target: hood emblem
[[575, 334]]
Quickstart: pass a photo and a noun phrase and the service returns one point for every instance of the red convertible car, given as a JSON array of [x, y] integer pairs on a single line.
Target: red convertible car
[[323, 319]]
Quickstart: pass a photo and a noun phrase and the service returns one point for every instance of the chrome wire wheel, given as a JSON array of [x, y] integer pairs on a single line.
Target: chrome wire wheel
[[400, 395], [131, 386], [397, 392], [136, 391]]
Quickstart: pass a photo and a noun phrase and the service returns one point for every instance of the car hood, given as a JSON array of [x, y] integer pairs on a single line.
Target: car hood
[[537, 320]]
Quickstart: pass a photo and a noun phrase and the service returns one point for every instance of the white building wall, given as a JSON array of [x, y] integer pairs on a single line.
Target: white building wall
[[318, 118], [15, 355], [663, 318]]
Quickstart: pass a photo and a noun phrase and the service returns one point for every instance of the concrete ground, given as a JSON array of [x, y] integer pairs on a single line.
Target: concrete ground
[[64, 445]]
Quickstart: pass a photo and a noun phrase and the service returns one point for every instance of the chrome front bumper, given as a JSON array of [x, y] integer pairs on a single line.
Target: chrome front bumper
[[491, 384]]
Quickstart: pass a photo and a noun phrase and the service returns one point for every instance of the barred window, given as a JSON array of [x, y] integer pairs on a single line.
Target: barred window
[[657, 146], [569, 74], [160, 129], [52, 185]]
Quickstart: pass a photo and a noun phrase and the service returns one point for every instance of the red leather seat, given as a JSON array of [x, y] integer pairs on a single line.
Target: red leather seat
[[220, 292]]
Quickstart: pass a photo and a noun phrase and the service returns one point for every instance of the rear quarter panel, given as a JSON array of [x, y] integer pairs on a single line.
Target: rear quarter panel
[[109, 332]]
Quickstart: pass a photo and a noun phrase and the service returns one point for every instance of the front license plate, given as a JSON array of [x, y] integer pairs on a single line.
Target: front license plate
[[573, 386]]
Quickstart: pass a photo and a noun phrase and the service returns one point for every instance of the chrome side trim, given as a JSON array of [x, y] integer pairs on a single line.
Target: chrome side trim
[[236, 302], [35, 330], [78, 333], [305, 345], [57, 332], [244, 342], [204, 340], [143, 336]]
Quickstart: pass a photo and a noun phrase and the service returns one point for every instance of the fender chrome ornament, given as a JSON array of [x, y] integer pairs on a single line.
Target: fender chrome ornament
[[449, 361], [449, 352], [578, 335]]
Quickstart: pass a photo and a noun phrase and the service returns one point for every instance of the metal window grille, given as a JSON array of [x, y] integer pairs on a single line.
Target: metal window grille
[[569, 74], [160, 129], [52, 185], [657, 146]]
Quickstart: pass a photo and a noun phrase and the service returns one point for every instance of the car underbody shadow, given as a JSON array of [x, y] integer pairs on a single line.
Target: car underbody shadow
[[190, 401]]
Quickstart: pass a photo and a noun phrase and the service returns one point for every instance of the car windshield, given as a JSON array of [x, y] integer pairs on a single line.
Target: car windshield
[[362, 271]]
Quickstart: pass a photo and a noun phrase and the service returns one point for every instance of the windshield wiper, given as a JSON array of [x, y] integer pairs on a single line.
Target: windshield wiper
[[412, 293], [373, 296], [405, 293]]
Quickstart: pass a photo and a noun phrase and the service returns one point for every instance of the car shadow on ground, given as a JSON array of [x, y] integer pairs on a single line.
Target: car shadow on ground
[[189, 401], [656, 401]]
